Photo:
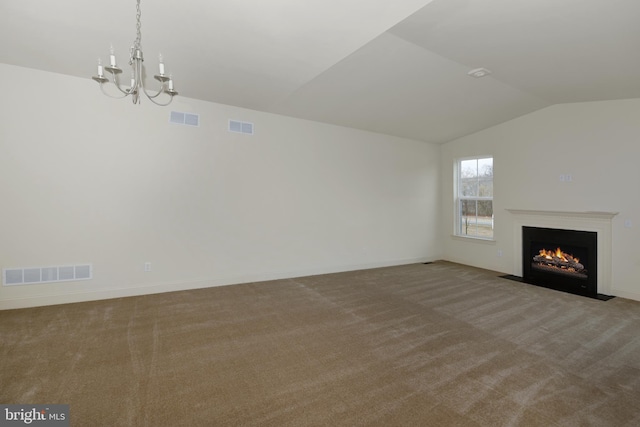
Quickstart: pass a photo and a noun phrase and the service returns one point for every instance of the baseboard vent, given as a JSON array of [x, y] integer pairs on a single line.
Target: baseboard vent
[[188, 119], [34, 275], [240, 127]]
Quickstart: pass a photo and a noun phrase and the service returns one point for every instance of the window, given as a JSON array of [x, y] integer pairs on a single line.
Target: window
[[474, 198]]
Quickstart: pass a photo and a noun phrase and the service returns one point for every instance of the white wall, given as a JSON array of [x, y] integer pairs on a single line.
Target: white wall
[[88, 179], [597, 143]]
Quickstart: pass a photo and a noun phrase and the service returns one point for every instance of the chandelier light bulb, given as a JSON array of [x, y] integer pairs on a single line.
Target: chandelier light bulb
[[161, 65], [112, 57]]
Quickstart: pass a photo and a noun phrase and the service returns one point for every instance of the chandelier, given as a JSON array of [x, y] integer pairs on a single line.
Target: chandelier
[[137, 85]]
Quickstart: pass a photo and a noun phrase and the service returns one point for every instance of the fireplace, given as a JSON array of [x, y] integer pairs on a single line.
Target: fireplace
[[560, 259], [598, 222]]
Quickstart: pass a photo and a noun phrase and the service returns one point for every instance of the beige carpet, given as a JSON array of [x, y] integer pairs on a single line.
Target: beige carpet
[[417, 345]]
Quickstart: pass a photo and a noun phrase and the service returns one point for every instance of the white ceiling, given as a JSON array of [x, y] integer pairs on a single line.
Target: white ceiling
[[396, 67]]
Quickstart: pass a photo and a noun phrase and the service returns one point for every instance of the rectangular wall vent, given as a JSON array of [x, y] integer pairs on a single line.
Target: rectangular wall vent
[[188, 119], [33, 275], [240, 127]]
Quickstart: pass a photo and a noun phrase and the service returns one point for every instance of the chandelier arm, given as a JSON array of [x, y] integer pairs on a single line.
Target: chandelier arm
[[117, 84], [161, 90], [160, 103], [112, 96]]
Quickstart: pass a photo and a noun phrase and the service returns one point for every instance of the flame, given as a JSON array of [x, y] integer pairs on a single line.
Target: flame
[[561, 255], [557, 254]]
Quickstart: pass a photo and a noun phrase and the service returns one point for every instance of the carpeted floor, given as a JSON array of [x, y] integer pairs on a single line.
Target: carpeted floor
[[417, 345]]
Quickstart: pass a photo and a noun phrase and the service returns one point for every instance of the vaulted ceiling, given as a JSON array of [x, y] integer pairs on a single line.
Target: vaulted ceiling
[[396, 67]]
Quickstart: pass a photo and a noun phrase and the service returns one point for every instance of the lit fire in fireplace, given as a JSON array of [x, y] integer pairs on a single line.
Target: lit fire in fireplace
[[559, 260], [557, 254]]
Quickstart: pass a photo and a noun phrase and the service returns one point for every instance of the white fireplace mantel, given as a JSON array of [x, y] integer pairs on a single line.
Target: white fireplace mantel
[[569, 214], [600, 222]]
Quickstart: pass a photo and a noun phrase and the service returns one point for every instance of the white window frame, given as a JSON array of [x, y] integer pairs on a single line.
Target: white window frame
[[458, 199]]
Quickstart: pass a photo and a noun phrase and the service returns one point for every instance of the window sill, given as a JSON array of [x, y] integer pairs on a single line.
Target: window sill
[[473, 239]]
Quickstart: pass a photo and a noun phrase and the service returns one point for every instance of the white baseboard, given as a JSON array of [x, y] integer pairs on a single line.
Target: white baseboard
[[137, 290], [625, 294]]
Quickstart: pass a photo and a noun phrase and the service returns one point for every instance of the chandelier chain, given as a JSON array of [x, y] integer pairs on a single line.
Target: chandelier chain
[[138, 27]]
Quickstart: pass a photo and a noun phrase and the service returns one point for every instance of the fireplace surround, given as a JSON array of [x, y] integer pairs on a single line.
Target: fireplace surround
[[598, 222]]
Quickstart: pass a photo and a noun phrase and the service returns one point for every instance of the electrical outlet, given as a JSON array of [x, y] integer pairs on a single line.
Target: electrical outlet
[[147, 266], [499, 252], [628, 223]]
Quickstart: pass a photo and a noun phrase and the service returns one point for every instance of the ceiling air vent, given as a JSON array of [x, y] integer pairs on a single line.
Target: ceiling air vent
[[240, 127], [188, 119], [479, 72]]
